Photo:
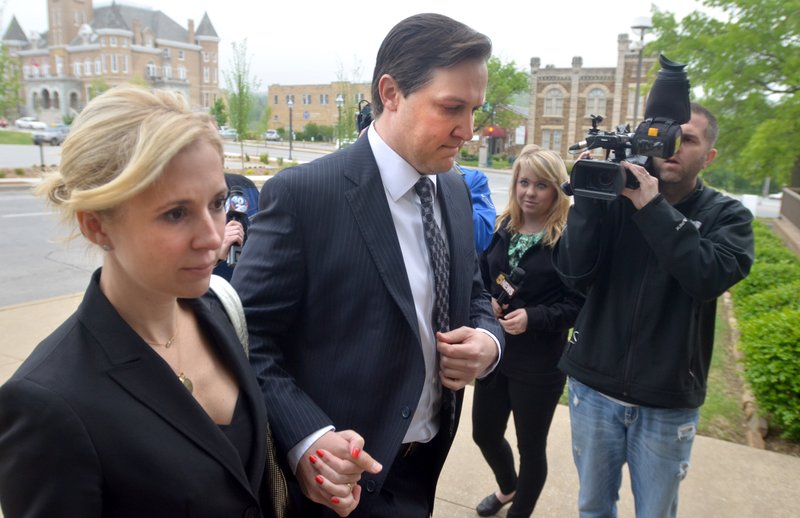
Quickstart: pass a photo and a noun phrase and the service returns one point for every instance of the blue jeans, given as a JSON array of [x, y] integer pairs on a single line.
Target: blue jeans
[[655, 442]]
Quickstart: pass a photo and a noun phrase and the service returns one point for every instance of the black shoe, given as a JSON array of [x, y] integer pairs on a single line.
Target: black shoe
[[490, 505]]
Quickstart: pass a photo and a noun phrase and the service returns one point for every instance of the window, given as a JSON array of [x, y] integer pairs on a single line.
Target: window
[[306, 99], [151, 69], [205, 100], [76, 69], [553, 103], [113, 40], [275, 99], [181, 55], [167, 71], [206, 76], [114, 67], [596, 102], [359, 97], [87, 67], [182, 73], [125, 64], [323, 98], [205, 56], [98, 66], [165, 53], [551, 139]]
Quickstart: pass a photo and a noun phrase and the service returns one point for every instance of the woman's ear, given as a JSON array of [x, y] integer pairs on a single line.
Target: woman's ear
[[92, 228]]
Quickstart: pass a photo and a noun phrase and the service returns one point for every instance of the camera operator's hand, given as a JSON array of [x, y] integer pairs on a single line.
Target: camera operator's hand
[[234, 235], [648, 186]]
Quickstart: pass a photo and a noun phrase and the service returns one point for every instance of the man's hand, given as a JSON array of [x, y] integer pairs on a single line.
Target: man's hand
[[648, 186], [465, 353], [329, 471], [234, 235], [516, 322]]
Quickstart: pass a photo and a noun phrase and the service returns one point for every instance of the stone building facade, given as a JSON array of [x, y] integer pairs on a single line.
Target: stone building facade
[[315, 103], [86, 46], [562, 99]]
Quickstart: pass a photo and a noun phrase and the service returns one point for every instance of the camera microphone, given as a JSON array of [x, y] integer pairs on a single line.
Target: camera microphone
[[580, 145], [236, 210], [509, 285]]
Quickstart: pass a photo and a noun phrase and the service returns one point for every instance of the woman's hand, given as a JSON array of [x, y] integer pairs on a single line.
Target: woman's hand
[[516, 322], [234, 235]]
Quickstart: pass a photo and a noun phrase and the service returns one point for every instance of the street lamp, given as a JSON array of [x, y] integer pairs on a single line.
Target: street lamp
[[291, 132], [339, 104], [640, 26]]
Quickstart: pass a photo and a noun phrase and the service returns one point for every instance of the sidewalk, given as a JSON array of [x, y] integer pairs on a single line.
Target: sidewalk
[[725, 479]]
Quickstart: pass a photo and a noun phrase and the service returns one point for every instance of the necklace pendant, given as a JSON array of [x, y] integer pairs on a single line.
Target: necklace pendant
[[186, 382]]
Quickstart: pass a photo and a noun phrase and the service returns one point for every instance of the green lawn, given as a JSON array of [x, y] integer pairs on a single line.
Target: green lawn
[[15, 137]]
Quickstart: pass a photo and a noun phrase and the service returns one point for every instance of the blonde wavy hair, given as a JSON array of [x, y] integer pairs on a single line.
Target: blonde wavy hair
[[547, 166], [119, 145]]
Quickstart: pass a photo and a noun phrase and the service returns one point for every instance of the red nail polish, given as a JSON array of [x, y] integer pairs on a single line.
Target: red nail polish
[[321, 454], [319, 479], [335, 500], [313, 459], [356, 453]]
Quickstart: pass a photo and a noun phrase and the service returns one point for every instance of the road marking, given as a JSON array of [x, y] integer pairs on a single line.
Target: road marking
[[25, 215]]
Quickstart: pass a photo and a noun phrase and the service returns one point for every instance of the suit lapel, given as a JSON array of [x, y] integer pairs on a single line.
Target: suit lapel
[[367, 200], [148, 379]]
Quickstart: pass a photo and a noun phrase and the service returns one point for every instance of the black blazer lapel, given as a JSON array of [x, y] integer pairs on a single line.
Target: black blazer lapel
[[146, 377], [367, 199]]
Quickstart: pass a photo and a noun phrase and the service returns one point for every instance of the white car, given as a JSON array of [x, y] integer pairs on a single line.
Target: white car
[[30, 123]]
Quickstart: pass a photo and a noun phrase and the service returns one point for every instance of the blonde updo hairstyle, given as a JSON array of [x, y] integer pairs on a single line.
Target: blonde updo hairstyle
[[548, 166], [119, 145]]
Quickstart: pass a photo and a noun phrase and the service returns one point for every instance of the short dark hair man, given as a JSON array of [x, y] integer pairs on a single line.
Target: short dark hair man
[[341, 280], [652, 263]]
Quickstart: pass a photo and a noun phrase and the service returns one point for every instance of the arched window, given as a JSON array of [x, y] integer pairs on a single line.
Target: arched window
[[553, 103], [596, 102]]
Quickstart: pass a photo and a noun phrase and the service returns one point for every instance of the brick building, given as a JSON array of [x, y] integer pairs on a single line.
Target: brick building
[[315, 103], [111, 45], [562, 99]]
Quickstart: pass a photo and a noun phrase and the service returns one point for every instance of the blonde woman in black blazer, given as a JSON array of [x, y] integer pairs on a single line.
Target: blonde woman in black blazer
[[142, 403]]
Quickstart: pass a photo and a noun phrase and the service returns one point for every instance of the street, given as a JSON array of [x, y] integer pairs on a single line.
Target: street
[[40, 263]]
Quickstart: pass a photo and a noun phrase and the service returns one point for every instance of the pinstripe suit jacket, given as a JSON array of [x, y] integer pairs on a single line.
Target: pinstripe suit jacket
[[333, 331]]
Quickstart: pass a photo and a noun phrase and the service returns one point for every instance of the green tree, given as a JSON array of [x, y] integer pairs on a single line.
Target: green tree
[[96, 87], [746, 62], [10, 83], [240, 92], [505, 80], [218, 112]]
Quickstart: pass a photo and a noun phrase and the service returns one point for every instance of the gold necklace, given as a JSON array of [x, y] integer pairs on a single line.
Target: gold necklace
[[183, 378]]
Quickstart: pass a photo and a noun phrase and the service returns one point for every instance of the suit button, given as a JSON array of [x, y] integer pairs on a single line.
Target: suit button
[[250, 512], [406, 412], [370, 486]]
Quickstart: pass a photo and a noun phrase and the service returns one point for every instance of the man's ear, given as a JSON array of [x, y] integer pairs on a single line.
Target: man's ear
[[710, 156], [389, 92], [92, 228]]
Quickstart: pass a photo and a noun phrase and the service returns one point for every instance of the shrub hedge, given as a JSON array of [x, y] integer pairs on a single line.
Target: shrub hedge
[[767, 305]]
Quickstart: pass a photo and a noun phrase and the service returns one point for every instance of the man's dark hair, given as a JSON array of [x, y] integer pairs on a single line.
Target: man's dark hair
[[712, 130], [418, 45]]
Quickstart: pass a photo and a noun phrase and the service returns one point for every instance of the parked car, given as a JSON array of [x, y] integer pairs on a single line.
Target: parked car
[[229, 134], [30, 123], [272, 134], [53, 136]]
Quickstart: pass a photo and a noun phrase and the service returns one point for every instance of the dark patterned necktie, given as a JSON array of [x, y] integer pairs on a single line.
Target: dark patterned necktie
[[440, 259]]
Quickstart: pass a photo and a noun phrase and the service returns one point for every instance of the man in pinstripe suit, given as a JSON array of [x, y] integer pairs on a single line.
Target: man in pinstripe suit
[[338, 288]]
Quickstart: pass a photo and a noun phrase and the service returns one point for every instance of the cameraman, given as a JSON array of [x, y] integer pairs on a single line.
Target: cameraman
[[236, 232], [652, 263]]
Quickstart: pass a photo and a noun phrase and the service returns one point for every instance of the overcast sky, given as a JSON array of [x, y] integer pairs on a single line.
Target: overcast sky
[[309, 42]]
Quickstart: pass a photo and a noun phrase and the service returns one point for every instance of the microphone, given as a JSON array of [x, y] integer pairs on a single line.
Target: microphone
[[509, 284], [236, 208], [580, 145]]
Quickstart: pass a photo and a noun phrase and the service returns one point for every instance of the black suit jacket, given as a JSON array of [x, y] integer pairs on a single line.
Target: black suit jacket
[[95, 423], [333, 330]]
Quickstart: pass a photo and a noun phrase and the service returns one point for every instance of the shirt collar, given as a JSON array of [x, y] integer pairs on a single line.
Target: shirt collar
[[398, 176]]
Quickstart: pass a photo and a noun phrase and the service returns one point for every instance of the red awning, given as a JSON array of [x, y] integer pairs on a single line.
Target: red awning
[[494, 131]]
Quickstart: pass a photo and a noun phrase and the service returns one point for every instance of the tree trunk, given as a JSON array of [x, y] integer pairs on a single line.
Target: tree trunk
[[794, 180]]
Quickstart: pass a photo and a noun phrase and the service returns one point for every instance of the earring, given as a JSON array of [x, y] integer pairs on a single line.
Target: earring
[[107, 248]]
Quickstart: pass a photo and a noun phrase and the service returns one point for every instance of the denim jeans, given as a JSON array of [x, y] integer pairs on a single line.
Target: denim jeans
[[655, 442]]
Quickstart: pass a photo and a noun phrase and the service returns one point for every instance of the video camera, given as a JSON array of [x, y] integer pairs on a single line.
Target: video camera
[[659, 135], [364, 115]]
